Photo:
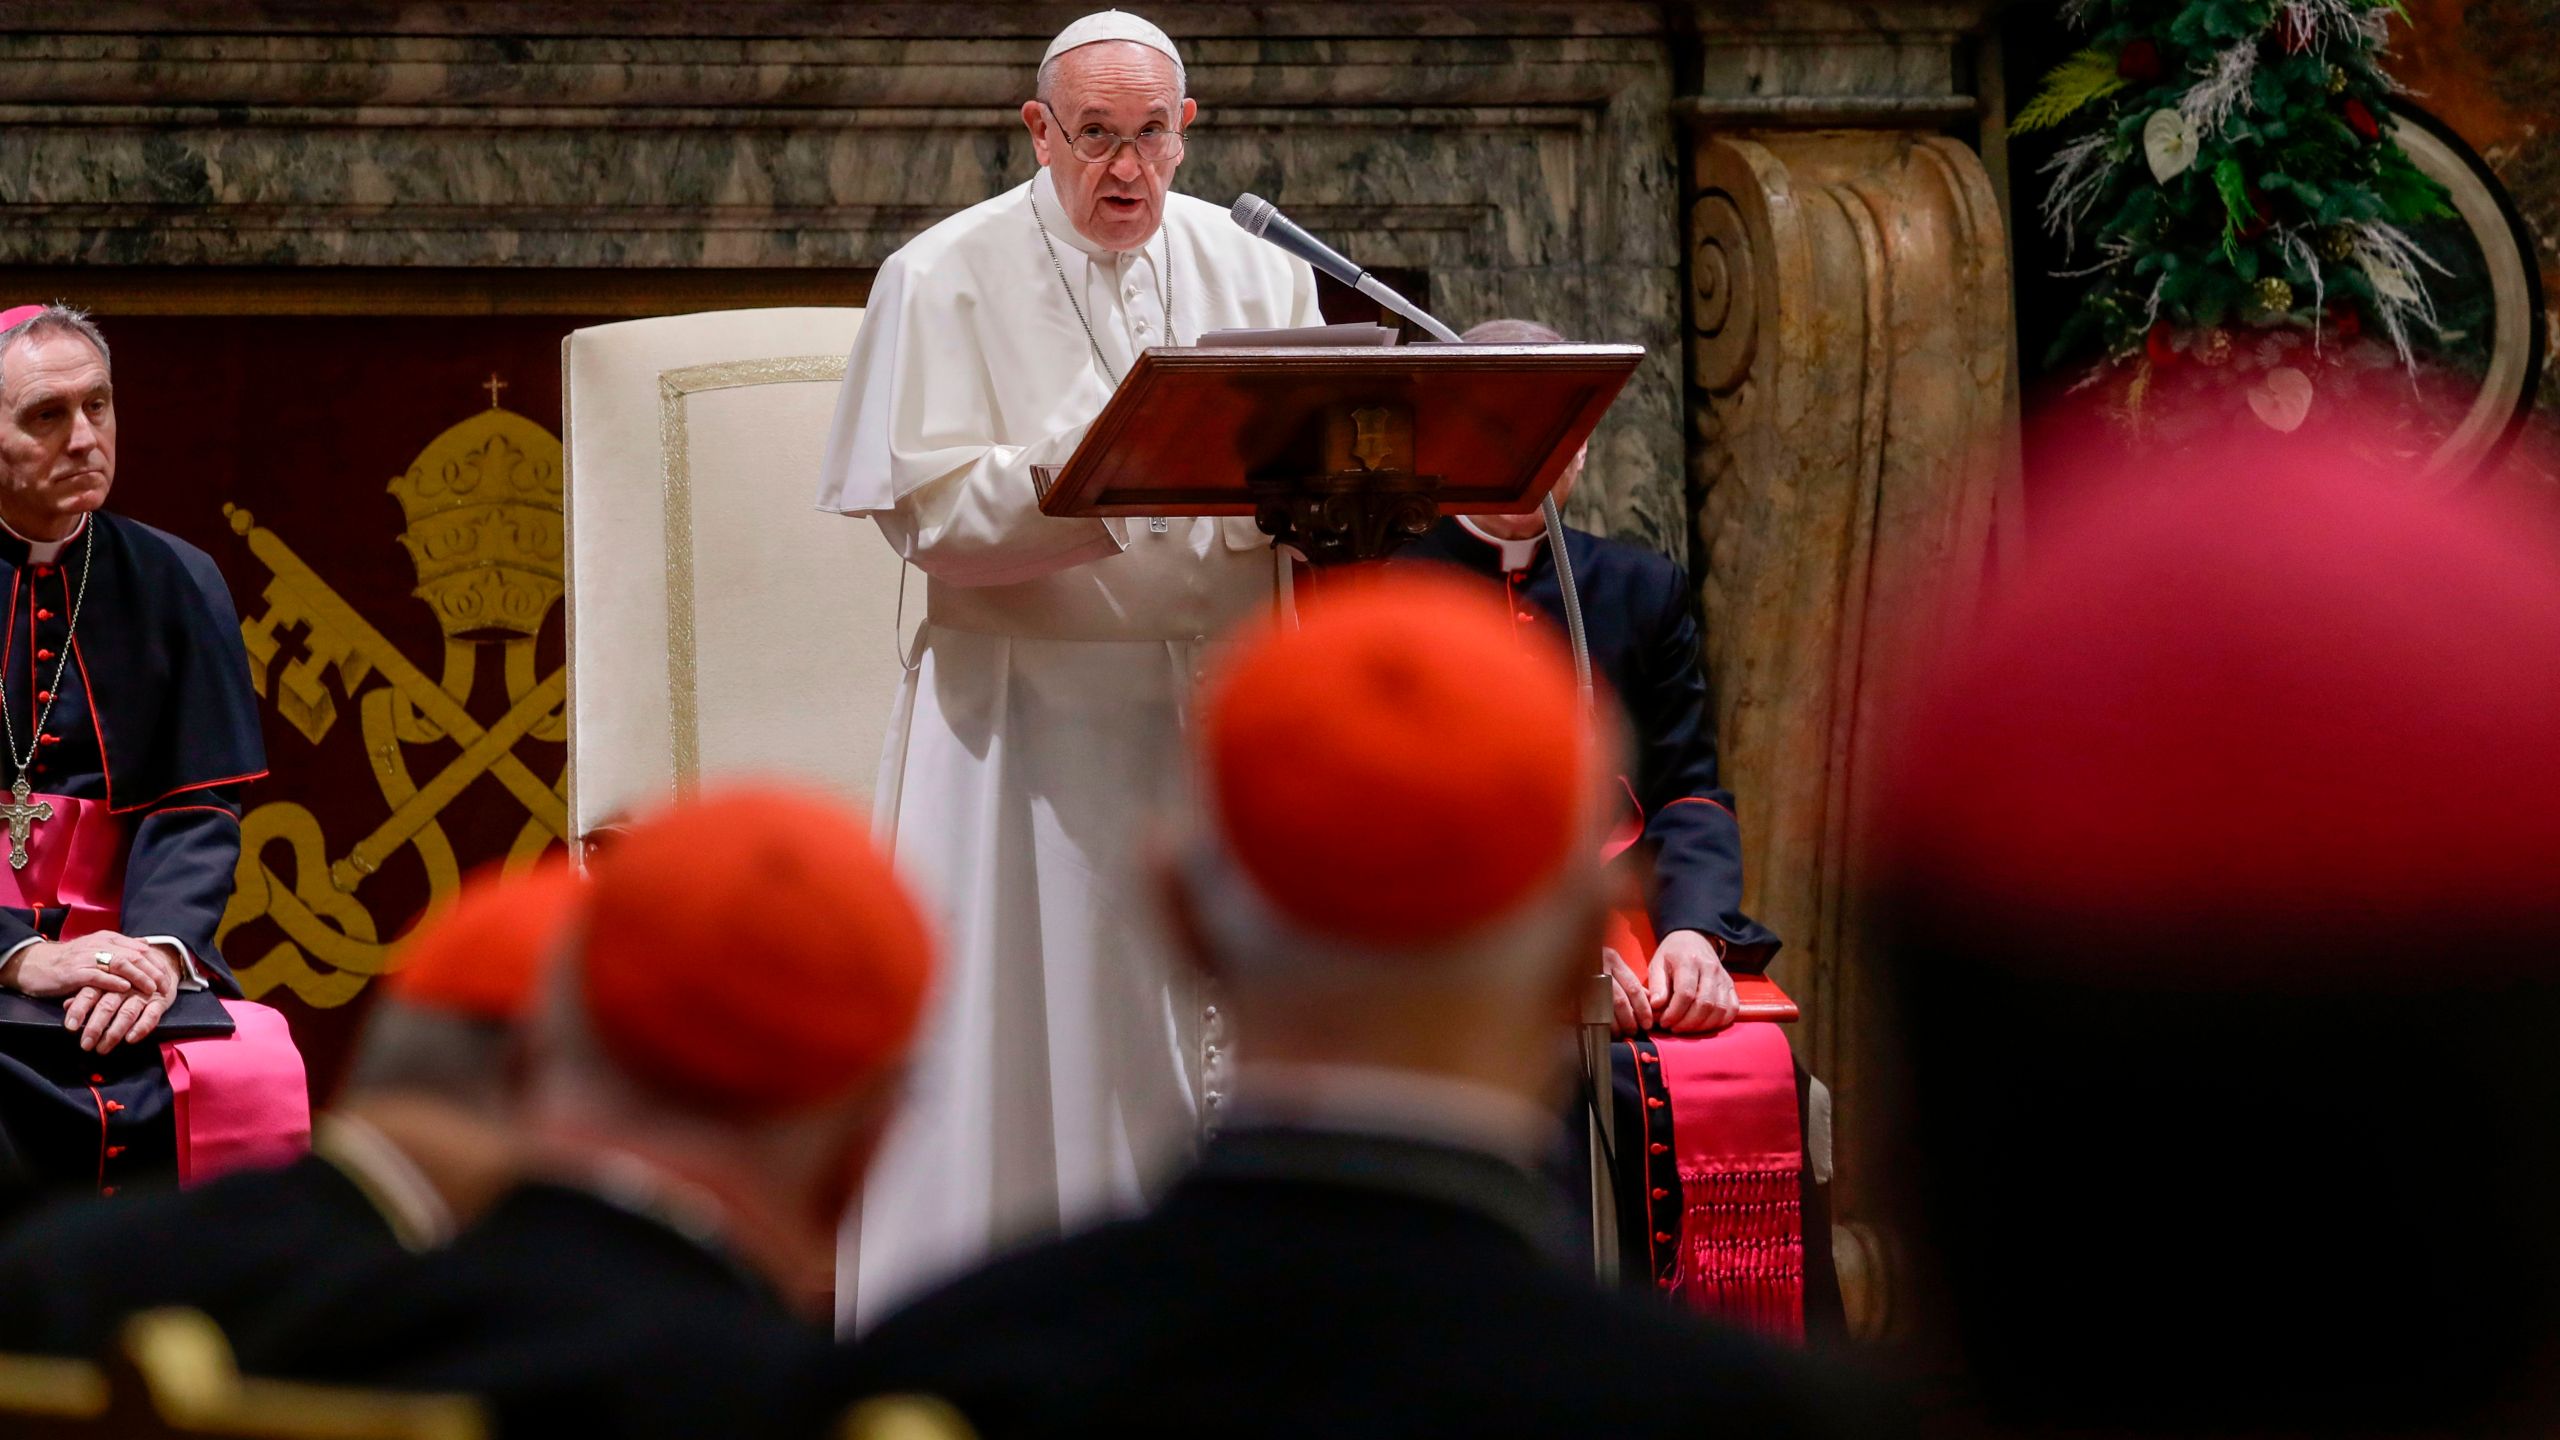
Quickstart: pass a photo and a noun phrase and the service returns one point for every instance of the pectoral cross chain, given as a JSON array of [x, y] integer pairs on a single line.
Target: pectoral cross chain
[[22, 815]]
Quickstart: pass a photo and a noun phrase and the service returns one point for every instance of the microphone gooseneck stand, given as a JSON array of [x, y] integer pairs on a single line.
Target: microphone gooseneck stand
[[1263, 220]]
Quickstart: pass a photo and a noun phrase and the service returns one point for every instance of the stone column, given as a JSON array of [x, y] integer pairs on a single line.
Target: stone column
[[1853, 396]]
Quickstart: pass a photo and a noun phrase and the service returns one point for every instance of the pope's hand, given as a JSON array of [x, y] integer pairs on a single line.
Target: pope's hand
[[52, 968], [1691, 991], [1630, 1006]]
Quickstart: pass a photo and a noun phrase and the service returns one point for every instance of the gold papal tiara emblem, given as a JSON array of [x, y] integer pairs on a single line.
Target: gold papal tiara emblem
[[483, 508]]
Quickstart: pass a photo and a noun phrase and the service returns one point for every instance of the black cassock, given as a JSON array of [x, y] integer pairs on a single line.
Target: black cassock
[[156, 718], [1641, 622], [1642, 626]]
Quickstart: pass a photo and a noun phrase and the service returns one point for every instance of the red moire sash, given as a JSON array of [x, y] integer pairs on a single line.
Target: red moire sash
[[1728, 1102]]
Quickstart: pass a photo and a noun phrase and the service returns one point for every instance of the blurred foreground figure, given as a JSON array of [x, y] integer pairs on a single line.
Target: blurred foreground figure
[[707, 1083], [419, 1146], [2224, 909], [1399, 900]]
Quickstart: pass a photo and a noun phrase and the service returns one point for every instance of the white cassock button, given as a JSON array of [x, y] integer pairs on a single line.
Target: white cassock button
[[1142, 327], [1129, 294]]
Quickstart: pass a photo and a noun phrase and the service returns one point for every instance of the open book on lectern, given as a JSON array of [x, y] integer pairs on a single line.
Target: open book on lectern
[[1252, 429]]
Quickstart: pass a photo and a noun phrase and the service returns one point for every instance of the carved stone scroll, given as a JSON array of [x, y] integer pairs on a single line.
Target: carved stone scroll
[[1850, 349]]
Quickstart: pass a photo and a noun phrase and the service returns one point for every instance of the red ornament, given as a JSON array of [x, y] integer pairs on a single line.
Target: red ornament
[[2156, 347], [2140, 62], [2361, 120]]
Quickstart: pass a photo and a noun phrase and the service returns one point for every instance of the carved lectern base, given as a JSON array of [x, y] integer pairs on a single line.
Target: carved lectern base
[[1348, 517]]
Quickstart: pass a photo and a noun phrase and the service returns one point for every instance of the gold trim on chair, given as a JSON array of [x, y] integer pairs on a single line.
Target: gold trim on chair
[[685, 727], [172, 1375]]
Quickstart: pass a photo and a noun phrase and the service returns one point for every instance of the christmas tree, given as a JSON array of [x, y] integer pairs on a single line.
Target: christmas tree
[[2228, 188]]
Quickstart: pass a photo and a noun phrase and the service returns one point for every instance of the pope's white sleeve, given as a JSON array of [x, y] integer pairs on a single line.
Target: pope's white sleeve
[[908, 451]]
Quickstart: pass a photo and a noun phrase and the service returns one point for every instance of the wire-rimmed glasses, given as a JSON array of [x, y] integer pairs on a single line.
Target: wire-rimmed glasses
[[1095, 146]]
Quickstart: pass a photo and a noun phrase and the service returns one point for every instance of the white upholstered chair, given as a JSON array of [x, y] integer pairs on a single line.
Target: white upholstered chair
[[719, 624]]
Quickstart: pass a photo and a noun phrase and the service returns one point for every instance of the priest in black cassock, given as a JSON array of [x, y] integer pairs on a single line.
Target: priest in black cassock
[[1639, 616], [1641, 623], [130, 726]]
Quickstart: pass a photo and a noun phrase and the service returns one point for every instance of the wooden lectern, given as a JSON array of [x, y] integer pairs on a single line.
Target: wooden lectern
[[1345, 454]]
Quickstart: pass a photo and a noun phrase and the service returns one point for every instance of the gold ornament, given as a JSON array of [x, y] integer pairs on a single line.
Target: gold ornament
[[2274, 295], [2337, 243], [2337, 80], [2213, 347]]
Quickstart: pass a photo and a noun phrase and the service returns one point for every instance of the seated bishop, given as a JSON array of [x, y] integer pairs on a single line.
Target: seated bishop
[[1717, 1123], [131, 725]]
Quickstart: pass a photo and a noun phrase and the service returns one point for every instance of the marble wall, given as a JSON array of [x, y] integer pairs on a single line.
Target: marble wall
[[1522, 155]]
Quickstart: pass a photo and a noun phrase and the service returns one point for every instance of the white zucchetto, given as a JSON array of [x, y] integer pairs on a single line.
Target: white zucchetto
[[1111, 25]]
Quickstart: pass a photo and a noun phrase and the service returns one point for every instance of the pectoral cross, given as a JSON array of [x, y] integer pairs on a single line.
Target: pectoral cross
[[22, 817], [493, 385]]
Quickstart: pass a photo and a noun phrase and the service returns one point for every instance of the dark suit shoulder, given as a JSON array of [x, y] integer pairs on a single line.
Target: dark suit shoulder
[[1636, 569], [1277, 1309], [243, 1249]]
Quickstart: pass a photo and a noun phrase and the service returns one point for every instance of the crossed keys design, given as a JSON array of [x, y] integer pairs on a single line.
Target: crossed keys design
[[484, 507]]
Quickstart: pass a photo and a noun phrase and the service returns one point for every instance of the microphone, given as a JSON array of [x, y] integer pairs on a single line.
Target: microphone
[[1263, 220]]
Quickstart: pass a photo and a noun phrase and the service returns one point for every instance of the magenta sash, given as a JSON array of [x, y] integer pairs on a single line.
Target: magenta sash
[[74, 860], [1737, 1137], [242, 1099]]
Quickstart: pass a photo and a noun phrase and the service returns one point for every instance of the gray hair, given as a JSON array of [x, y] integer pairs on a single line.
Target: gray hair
[[1045, 88], [54, 319], [1511, 332], [455, 1058]]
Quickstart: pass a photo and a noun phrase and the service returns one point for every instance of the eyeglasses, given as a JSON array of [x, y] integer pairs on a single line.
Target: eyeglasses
[[1095, 146]]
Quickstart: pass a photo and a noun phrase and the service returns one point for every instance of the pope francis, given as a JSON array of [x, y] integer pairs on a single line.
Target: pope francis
[[1065, 1067]]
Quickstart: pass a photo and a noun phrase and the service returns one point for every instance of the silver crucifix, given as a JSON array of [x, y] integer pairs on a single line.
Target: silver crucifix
[[22, 817]]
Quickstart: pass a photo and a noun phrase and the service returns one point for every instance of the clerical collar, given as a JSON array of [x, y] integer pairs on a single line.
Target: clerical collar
[[45, 552], [1516, 554], [1397, 1104], [1062, 226]]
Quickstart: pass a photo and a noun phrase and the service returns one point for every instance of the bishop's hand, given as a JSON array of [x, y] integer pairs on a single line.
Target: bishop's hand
[[50, 969], [1691, 990], [1630, 1004], [105, 1018]]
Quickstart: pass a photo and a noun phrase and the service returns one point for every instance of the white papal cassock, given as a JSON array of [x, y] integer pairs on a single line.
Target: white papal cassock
[[1041, 723]]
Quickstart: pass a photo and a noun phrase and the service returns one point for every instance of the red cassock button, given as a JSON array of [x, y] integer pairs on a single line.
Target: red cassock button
[[1663, 1236], [1661, 1194], [97, 1079], [106, 1189], [44, 654], [1654, 1100], [48, 739], [1662, 1284], [115, 1107], [1659, 1148], [44, 614], [1528, 617], [114, 1150], [43, 570], [43, 695]]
